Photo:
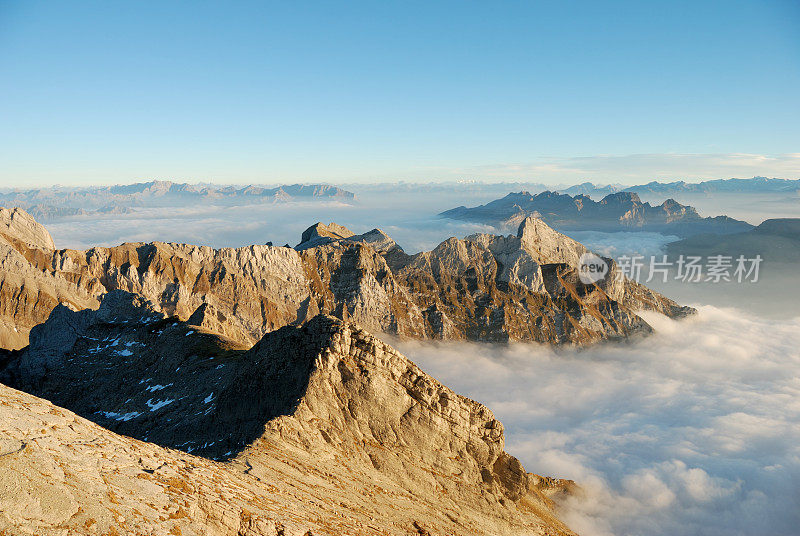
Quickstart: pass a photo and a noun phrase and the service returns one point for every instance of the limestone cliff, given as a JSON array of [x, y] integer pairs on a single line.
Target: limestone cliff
[[484, 287], [28, 290], [321, 428]]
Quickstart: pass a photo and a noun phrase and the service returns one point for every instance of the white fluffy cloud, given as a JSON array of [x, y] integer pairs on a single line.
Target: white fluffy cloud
[[623, 242], [695, 430]]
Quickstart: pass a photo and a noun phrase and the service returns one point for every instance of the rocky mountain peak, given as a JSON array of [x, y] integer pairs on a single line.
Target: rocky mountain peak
[[550, 194], [319, 234], [547, 245], [323, 397], [16, 224], [621, 198], [485, 287]]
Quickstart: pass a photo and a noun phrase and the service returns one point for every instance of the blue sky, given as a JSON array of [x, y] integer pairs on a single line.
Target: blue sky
[[99, 92]]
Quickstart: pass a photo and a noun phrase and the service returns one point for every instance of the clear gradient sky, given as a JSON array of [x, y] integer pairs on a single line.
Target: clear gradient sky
[[106, 92]]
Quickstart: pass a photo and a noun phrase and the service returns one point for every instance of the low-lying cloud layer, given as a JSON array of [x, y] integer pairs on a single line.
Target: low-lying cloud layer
[[693, 431], [406, 212], [408, 218], [623, 242]]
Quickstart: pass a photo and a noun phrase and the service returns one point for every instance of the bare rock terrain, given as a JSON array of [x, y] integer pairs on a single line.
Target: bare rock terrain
[[316, 429], [484, 287], [176, 389], [27, 291]]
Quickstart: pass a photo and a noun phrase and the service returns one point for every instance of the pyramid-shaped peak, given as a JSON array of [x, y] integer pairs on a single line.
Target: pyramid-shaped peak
[[547, 245], [331, 230], [531, 226]]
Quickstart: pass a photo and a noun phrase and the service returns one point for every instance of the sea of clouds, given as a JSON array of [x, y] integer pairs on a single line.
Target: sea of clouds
[[411, 219], [405, 212], [692, 431]]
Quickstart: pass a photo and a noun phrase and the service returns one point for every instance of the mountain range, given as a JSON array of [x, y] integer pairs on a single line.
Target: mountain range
[[58, 202], [776, 240], [522, 287], [755, 185], [620, 211], [166, 388]]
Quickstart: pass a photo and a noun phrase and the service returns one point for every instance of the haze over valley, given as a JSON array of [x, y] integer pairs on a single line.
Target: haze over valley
[[561, 406], [400, 268]]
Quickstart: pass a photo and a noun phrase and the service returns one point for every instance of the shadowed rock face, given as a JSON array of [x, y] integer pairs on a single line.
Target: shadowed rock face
[[484, 287], [361, 432]]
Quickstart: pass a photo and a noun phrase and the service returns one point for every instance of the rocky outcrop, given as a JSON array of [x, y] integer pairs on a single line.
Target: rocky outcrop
[[18, 225], [484, 287], [209, 318], [28, 290], [320, 428], [319, 234], [618, 211]]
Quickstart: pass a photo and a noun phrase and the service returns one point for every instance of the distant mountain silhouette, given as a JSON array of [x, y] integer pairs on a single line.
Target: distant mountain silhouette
[[755, 185], [57, 202], [620, 211], [775, 240]]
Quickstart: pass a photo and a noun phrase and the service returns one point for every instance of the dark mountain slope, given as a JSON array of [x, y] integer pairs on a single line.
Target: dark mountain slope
[[323, 427]]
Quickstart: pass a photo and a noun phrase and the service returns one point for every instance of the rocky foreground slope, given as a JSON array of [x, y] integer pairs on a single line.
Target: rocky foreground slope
[[317, 429], [484, 287]]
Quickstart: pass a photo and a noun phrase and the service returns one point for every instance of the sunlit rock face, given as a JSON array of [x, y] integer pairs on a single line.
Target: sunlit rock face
[[484, 287], [320, 427]]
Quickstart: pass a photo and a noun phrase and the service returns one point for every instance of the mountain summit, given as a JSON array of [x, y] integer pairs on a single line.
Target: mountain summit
[[483, 287], [317, 429]]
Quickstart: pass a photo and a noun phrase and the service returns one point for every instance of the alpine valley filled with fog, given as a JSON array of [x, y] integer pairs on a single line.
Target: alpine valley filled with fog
[[400, 268], [661, 417]]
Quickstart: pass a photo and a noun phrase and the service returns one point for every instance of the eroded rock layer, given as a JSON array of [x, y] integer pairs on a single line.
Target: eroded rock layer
[[484, 287], [320, 427]]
